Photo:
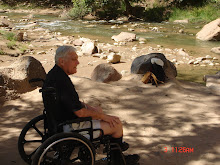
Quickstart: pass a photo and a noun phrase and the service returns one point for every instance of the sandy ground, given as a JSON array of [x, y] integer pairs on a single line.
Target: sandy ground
[[177, 114], [174, 115]]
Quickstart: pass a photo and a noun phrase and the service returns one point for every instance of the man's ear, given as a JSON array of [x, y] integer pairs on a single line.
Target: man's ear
[[61, 61]]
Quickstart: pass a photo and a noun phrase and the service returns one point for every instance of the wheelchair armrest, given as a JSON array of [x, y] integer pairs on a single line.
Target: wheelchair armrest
[[36, 80], [47, 89], [78, 120]]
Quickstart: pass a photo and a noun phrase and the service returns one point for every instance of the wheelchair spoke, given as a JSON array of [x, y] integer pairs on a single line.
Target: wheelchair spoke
[[31, 154], [38, 131], [73, 160], [31, 137], [32, 141]]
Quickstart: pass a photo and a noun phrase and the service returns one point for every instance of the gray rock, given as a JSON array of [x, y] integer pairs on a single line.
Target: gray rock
[[64, 14], [213, 82], [191, 61], [18, 74], [182, 52], [216, 50], [142, 39], [105, 73], [113, 58], [3, 11], [4, 22], [20, 36], [78, 42], [208, 57], [89, 48], [142, 64], [210, 31], [181, 21], [124, 36]]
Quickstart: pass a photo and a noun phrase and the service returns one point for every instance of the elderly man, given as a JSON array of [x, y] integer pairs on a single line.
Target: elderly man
[[70, 107]]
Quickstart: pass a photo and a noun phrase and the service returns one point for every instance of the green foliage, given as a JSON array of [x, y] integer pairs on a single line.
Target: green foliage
[[11, 44], [156, 14], [102, 8], [186, 3], [5, 6], [8, 35], [80, 9], [23, 48], [108, 9], [196, 14], [1, 52]]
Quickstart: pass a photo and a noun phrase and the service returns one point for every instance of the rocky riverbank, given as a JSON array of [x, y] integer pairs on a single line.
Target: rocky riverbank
[[40, 43]]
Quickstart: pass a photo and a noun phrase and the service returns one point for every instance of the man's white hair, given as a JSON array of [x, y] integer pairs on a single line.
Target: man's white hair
[[62, 52]]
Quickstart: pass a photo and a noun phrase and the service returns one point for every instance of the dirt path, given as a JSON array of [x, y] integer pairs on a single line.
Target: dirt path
[[174, 115]]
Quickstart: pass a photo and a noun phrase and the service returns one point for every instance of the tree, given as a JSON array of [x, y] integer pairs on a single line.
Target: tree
[[128, 7]]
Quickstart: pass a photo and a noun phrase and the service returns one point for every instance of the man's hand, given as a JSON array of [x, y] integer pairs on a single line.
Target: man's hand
[[112, 120]]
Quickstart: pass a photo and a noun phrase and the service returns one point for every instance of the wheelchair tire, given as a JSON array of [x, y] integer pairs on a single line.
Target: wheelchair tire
[[26, 145], [65, 148]]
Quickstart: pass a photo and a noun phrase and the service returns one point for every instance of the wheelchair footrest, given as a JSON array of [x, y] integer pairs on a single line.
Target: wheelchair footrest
[[116, 155]]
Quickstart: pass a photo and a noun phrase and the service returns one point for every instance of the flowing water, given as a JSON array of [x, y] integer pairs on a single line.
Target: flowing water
[[166, 34]]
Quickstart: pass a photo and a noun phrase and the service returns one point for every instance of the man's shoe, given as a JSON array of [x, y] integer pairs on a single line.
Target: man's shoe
[[132, 159], [124, 146]]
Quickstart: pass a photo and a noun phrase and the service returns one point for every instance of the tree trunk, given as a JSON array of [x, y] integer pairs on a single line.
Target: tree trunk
[[128, 7]]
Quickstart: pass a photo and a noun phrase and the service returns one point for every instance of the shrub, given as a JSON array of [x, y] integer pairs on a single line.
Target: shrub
[[156, 14], [80, 9], [1, 52], [8, 35], [196, 14], [22, 48], [11, 44]]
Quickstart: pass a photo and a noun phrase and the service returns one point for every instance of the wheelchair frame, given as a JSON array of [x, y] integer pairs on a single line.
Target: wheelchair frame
[[52, 138]]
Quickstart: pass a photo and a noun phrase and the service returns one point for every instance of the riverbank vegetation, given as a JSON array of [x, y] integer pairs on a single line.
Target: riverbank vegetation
[[206, 13], [11, 42], [145, 10]]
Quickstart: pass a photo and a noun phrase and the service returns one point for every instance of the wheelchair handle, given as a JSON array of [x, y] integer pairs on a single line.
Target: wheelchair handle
[[36, 80]]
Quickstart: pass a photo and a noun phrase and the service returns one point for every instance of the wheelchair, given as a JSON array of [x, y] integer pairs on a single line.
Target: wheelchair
[[43, 142]]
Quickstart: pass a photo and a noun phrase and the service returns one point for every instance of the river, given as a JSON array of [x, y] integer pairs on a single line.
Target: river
[[166, 34]]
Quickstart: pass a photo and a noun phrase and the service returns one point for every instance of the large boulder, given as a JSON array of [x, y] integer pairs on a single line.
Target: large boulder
[[124, 37], [209, 32], [89, 48], [105, 73], [16, 76], [142, 64], [213, 82]]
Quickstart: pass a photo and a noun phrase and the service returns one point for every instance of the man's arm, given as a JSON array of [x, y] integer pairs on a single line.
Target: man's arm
[[112, 120], [87, 106]]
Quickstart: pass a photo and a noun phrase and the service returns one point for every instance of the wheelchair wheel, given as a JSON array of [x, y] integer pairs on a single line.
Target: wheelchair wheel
[[31, 137], [65, 149]]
